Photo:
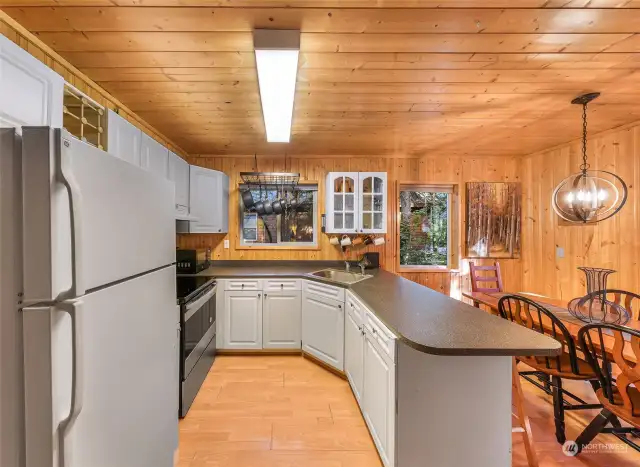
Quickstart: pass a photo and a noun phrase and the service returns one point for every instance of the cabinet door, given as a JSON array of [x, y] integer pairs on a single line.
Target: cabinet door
[[31, 93], [154, 157], [281, 312], [323, 329], [179, 175], [243, 320], [124, 139], [373, 202], [354, 349], [208, 200], [342, 202], [380, 400]]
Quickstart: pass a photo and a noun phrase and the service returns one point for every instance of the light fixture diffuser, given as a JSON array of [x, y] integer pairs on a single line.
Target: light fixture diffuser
[[277, 63]]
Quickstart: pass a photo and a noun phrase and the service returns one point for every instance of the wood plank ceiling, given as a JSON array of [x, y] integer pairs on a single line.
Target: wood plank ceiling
[[393, 77]]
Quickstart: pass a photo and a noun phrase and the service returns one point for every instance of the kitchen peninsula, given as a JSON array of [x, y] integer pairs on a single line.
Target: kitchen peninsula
[[426, 366]]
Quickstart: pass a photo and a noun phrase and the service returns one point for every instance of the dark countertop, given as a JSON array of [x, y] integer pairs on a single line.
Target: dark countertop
[[422, 318]]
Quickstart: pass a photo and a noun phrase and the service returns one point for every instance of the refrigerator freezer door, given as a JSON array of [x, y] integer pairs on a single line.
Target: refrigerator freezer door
[[101, 374], [90, 219]]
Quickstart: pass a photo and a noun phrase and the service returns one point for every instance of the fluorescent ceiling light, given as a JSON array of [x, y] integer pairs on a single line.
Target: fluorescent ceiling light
[[277, 62]]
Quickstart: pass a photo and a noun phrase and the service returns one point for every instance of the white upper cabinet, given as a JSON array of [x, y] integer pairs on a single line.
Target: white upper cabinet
[[208, 200], [356, 202], [31, 93], [342, 202], [124, 139], [154, 157], [373, 202], [179, 175]]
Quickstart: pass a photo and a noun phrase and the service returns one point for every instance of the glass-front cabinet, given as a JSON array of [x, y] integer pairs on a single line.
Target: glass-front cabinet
[[342, 202], [356, 202], [373, 202]]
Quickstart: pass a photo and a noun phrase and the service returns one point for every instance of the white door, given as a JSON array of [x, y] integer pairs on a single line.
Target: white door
[[31, 93], [323, 329], [243, 320], [124, 139], [123, 373], [98, 221], [342, 202], [154, 157], [380, 399], [208, 200], [179, 175], [354, 348], [373, 202], [281, 317]]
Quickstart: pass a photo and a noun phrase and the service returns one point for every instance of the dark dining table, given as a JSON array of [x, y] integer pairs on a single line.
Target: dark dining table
[[558, 308]]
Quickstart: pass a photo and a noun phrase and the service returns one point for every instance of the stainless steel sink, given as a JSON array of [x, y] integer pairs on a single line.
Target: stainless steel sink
[[343, 277]]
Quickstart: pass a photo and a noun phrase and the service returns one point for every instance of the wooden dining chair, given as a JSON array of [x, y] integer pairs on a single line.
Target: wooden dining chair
[[620, 396], [567, 365], [481, 275]]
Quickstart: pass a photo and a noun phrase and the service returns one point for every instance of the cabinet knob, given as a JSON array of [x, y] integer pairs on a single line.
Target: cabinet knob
[[282, 286], [265, 295], [340, 306], [260, 295], [242, 286], [375, 331]]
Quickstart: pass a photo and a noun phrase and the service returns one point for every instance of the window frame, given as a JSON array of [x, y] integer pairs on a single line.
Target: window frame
[[453, 237], [315, 245]]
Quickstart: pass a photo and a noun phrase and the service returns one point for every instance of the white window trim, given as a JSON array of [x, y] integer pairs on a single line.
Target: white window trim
[[284, 245]]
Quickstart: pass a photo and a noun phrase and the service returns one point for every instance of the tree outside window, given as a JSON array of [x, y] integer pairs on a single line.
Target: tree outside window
[[425, 226]]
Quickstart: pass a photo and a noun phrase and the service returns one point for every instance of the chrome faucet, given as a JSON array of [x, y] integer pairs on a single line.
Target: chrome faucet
[[363, 263], [347, 266]]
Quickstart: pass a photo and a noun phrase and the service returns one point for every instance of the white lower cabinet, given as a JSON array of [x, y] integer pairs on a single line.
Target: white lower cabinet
[[281, 320], [242, 319], [323, 329], [354, 348], [379, 398], [369, 363]]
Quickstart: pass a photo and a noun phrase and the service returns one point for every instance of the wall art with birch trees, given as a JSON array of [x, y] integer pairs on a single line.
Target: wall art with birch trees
[[493, 219]]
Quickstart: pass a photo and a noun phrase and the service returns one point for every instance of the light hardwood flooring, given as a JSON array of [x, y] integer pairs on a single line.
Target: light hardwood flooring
[[285, 411]]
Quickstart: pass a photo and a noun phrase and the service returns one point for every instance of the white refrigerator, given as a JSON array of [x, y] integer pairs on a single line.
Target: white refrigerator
[[100, 321]]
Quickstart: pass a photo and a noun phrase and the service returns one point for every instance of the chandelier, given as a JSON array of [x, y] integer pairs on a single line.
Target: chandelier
[[589, 196]]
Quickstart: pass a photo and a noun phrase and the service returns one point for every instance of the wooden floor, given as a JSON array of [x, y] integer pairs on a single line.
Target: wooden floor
[[285, 411]]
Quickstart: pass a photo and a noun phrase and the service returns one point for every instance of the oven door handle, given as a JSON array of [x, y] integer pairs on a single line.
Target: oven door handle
[[191, 308]]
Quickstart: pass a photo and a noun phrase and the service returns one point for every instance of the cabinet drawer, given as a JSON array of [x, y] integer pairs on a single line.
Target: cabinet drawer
[[324, 290], [355, 308], [275, 285], [380, 334], [243, 284]]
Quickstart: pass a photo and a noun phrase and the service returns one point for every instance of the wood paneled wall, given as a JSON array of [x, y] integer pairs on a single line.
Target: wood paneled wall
[[613, 243], [425, 169], [33, 45]]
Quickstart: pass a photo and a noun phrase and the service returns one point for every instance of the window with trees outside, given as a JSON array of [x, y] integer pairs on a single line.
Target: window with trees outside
[[426, 226], [296, 226]]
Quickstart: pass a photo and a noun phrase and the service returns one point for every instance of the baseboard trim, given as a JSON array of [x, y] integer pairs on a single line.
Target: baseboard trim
[[327, 367], [259, 352]]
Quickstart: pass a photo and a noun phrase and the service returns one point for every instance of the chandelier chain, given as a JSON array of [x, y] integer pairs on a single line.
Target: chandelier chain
[[585, 166]]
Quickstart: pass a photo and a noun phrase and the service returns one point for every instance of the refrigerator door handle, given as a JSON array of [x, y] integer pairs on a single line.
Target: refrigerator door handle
[[75, 312], [65, 174]]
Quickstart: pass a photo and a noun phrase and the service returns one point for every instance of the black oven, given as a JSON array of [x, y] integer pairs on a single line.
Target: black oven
[[197, 296]]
